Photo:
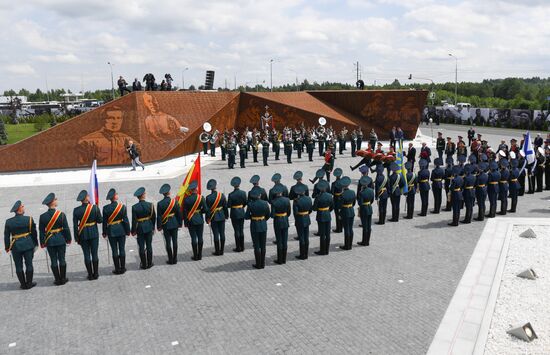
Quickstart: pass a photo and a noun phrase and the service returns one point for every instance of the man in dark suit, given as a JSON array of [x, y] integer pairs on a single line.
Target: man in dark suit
[[411, 155]]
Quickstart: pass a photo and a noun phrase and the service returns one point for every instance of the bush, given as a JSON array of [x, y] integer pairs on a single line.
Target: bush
[[42, 122]]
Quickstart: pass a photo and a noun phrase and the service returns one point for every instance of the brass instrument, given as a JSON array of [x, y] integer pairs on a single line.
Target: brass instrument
[[204, 137], [321, 129], [214, 136]]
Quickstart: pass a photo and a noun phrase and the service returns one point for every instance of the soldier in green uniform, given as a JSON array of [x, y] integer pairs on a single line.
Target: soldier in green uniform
[[298, 177], [236, 201], [365, 199], [255, 181], [265, 151], [242, 153], [216, 204], [169, 220], [310, 147], [280, 211], [116, 226], [55, 235], [258, 213], [193, 209], [86, 217], [412, 186], [346, 212], [336, 190], [231, 154], [276, 179], [302, 207], [324, 205], [21, 239], [319, 175], [143, 225]]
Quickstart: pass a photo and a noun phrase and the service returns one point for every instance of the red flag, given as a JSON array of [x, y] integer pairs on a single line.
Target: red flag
[[194, 174]]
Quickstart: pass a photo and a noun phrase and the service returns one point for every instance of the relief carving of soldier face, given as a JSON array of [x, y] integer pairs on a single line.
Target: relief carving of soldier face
[[150, 103], [113, 120]]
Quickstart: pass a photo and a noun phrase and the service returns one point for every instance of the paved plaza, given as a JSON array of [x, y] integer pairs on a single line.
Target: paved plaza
[[388, 298]]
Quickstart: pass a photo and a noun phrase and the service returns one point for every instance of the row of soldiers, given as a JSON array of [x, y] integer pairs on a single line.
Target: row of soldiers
[[299, 140]]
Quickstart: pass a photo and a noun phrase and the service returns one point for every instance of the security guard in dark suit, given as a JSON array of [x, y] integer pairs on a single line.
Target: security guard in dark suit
[[86, 217], [169, 220], [194, 207], [255, 181], [143, 225], [346, 211], [395, 184], [265, 151], [412, 185], [468, 193], [492, 189], [298, 177], [336, 191], [481, 189], [514, 186], [423, 186], [276, 179], [437, 184], [258, 213], [237, 201], [302, 207], [381, 189], [21, 239], [324, 205], [365, 199], [503, 186], [55, 235], [116, 226], [217, 214], [456, 194], [280, 211]]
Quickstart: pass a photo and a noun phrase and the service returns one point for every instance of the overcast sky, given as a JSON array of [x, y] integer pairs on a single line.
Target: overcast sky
[[67, 43]]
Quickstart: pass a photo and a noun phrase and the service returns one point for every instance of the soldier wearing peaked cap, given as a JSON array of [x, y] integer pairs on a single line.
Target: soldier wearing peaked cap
[[365, 199], [255, 181], [395, 184], [276, 179], [492, 189], [447, 182], [522, 173], [319, 175], [265, 150], [481, 189], [503, 186], [55, 235], [280, 212], [514, 186], [237, 201], [346, 211], [194, 207], [468, 193], [324, 205], [169, 220], [336, 191], [116, 226], [216, 216], [540, 164], [21, 239], [381, 193], [86, 217], [298, 177], [456, 194], [437, 178], [412, 184], [302, 207], [258, 213], [424, 186], [143, 225]]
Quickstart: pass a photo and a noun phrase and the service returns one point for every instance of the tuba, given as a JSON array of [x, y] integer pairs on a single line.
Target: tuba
[[204, 137], [321, 129]]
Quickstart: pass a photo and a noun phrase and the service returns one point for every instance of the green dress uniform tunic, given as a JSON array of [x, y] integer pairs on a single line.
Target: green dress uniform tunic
[[143, 225], [365, 201], [258, 213], [169, 226], [302, 207], [347, 214], [194, 222], [217, 217], [88, 237], [116, 228], [237, 201], [55, 240], [280, 211], [324, 205], [20, 238]]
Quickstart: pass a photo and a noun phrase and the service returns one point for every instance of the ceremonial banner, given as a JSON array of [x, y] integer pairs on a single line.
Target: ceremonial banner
[[400, 162], [194, 174]]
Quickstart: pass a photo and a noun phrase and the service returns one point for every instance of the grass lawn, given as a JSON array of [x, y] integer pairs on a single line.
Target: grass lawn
[[17, 132]]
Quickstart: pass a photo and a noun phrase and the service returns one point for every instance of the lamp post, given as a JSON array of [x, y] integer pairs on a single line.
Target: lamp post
[[296, 73], [456, 77], [112, 81], [271, 73], [183, 78]]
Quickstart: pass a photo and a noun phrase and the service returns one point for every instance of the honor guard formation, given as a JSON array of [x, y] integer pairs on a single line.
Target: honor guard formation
[[466, 175]]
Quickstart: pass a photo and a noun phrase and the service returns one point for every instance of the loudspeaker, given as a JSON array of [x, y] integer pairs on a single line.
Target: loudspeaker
[[528, 274], [524, 332], [209, 82], [529, 233]]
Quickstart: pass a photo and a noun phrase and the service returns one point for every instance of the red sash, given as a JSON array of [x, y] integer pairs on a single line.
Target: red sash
[[195, 206], [84, 219], [112, 217], [168, 210], [52, 221], [215, 205]]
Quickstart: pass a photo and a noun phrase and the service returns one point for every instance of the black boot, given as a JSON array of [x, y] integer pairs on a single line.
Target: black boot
[[321, 250], [262, 258], [346, 241], [222, 246], [89, 270], [169, 254], [279, 259], [150, 259], [257, 257], [284, 255], [21, 278], [216, 247], [514, 205], [96, 271], [116, 262], [456, 217], [199, 250], [175, 255], [28, 278], [195, 252], [56, 276], [338, 228], [63, 274], [242, 242], [122, 261], [237, 244], [143, 263], [306, 251], [301, 254], [327, 246]]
